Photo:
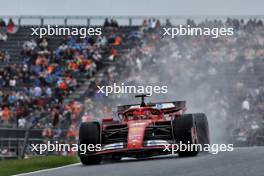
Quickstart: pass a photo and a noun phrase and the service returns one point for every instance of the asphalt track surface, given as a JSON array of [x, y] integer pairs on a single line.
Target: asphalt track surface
[[240, 162]]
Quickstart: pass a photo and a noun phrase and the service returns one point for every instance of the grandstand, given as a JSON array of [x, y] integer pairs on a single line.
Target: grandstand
[[24, 51]]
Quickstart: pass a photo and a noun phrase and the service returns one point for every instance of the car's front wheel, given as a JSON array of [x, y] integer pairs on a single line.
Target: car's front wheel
[[89, 133]]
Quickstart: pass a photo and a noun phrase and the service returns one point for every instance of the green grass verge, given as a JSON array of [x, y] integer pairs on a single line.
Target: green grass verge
[[11, 167]]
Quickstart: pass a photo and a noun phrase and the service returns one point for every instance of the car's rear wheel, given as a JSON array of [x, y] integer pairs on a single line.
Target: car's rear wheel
[[202, 128], [185, 132], [89, 133]]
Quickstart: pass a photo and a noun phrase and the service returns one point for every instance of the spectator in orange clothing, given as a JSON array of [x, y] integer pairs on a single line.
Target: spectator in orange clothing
[[11, 26], [63, 85], [73, 66], [51, 68], [6, 114], [117, 41]]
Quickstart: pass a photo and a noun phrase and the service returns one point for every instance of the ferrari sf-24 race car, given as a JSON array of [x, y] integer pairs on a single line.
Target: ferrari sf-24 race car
[[143, 130]]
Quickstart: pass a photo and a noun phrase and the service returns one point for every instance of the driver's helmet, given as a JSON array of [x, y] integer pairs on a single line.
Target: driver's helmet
[[139, 114]]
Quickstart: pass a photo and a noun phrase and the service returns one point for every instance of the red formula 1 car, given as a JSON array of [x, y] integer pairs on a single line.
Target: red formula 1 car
[[143, 130]]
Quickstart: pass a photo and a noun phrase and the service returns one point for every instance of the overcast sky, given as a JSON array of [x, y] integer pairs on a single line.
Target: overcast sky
[[131, 7]]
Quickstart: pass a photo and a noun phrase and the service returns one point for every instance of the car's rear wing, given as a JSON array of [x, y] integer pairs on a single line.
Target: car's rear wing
[[166, 107]]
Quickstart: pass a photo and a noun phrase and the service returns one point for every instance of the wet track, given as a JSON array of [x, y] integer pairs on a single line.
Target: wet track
[[240, 162]]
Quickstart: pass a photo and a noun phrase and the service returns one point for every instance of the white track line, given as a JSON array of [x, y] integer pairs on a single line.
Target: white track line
[[45, 170]]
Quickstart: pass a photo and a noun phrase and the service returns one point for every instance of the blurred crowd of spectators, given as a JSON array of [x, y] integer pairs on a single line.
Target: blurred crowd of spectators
[[45, 77]]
